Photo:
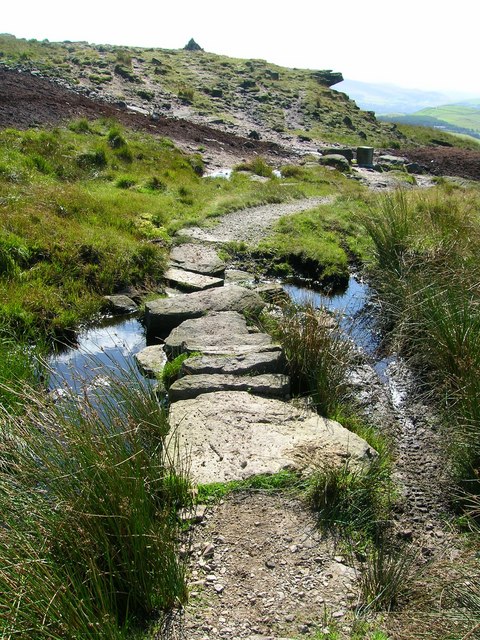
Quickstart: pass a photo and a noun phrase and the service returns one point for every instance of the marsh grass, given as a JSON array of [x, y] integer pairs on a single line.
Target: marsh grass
[[88, 496], [426, 275], [318, 355], [80, 206]]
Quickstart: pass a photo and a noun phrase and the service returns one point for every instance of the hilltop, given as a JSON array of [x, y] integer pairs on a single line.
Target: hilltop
[[242, 97]]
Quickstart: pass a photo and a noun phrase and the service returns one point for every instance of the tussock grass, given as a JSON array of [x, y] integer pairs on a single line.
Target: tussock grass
[[318, 355], [321, 242], [88, 496], [426, 274], [80, 206]]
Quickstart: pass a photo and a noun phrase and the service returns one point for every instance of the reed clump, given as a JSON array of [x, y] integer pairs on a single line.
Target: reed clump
[[88, 500], [426, 274]]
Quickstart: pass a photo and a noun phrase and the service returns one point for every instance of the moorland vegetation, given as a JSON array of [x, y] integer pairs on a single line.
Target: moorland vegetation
[[88, 494]]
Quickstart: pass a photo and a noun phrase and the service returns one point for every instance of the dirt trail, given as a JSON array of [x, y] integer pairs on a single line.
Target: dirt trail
[[251, 225], [258, 567]]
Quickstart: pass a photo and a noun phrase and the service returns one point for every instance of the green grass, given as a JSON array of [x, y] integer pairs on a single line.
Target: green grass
[[425, 136], [79, 207], [318, 355], [458, 115], [210, 85], [426, 270], [88, 498], [320, 243], [282, 481]]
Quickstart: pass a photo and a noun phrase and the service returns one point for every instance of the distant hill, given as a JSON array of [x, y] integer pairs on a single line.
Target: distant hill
[[462, 118], [389, 98]]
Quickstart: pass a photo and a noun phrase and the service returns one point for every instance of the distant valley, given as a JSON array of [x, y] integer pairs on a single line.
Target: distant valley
[[389, 98]]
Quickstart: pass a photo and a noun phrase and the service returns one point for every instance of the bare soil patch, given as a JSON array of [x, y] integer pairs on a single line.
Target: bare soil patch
[[260, 568], [31, 101]]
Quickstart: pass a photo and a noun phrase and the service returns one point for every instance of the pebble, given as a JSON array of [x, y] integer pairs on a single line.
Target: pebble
[[208, 550]]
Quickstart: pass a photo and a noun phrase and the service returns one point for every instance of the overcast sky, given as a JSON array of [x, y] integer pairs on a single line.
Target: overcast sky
[[413, 43]]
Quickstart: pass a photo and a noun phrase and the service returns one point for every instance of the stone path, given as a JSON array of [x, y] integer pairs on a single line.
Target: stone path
[[251, 225], [257, 566]]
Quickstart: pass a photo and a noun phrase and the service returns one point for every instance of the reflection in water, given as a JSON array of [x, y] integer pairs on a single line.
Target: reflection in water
[[108, 350], [349, 305], [100, 352]]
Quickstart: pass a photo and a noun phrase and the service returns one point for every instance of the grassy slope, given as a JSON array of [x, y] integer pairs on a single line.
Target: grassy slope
[[458, 115], [249, 93], [80, 208]]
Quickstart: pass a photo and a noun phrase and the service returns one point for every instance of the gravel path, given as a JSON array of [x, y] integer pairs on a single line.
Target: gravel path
[[259, 569], [251, 225]]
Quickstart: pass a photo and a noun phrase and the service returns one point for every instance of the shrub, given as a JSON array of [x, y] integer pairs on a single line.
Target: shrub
[[387, 575], [125, 182], [258, 166], [92, 159], [155, 184], [354, 501], [80, 126], [115, 138], [186, 93]]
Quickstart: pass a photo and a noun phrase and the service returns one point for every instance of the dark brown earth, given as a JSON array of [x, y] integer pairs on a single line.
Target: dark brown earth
[[27, 101], [31, 101], [446, 161]]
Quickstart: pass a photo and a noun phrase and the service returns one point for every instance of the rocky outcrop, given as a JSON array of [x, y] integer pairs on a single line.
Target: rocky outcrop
[[121, 304], [335, 160], [191, 281], [240, 365], [164, 314], [151, 360], [227, 436], [198, 258]]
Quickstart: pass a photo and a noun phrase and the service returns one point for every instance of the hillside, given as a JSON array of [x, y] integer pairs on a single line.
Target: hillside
[[237, 96], [462, 118]]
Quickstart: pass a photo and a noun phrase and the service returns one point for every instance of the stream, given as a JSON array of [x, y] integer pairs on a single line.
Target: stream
[[109, 348]]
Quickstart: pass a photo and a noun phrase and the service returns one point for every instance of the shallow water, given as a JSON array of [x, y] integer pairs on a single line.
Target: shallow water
[[101, 351], [108, 349], [350, 305]]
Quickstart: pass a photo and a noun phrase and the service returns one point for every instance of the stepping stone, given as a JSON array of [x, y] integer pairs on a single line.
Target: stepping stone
[[272, 292], [233, 435], [163, 314], [198, 258], [225, 333], [270, 384], [151, 360], [236, 276], [191, 281], [121, 304], [241, 365]]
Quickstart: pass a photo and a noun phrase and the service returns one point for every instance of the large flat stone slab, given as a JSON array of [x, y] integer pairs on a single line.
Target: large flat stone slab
[[225, 332], [198, 258], [191, 281], [162, 315], [233, 435], [270, 384], [240, 365]]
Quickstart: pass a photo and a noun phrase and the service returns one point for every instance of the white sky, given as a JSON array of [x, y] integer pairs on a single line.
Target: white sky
[[413, 43]]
